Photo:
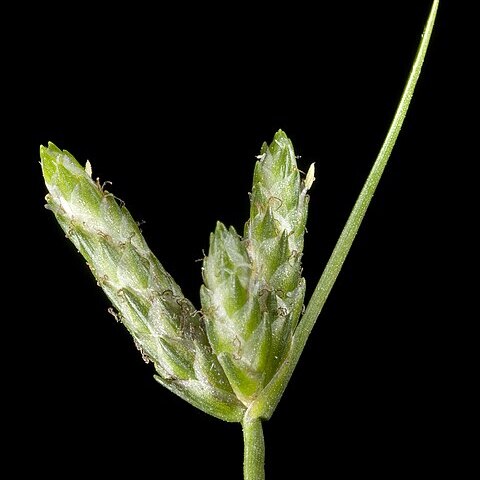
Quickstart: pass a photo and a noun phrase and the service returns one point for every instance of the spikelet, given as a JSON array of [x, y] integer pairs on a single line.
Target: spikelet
[[164, 324], [253, 289]]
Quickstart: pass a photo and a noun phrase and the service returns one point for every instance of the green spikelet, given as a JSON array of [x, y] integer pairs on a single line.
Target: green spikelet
[[164, 324], [253, 293]]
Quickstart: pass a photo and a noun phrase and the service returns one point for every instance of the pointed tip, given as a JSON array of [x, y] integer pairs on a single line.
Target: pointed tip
[[51, 149], [48, 161], [280, 142], [61, 171], [281, 139], [280, 157], [216, 237], [220, 226], [280, 134], [263, 151], [310, 178], [222, 232]]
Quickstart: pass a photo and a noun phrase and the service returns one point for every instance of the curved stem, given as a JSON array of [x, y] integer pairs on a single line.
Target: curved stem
[[267, 401], [254, 453]]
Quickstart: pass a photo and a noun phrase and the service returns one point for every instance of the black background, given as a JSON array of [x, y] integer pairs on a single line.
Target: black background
[[172, 107]]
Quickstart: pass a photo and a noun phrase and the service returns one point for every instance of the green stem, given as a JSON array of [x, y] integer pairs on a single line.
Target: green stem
[[270, 396], [254, 453]]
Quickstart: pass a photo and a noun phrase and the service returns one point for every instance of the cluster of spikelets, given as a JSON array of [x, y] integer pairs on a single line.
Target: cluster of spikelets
[[221, 357]]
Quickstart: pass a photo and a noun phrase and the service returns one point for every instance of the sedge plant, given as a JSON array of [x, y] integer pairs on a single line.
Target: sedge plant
[[233, 357]]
